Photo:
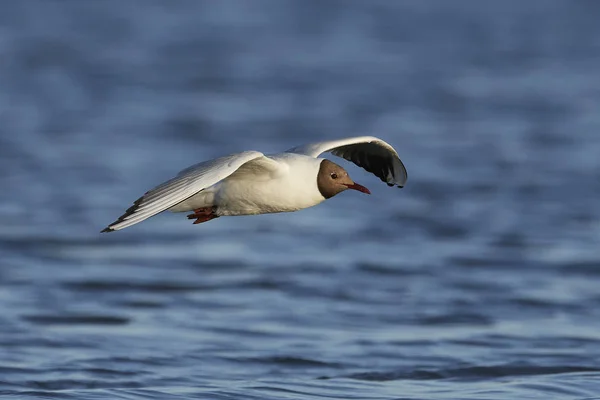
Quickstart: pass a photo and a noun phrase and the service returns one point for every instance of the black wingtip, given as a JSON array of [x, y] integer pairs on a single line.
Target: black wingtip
[[129, 211], [401, 186]]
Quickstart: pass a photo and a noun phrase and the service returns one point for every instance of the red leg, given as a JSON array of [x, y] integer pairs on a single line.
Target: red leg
[[203, 214]]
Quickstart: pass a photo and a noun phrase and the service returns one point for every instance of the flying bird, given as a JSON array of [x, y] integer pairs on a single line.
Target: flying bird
[[250, 182]]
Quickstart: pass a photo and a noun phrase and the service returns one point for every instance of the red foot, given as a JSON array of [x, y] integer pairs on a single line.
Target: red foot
[[203, 214]]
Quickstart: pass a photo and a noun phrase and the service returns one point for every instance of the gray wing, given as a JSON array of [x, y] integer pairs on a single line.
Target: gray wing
[[186, 184], [368, 152]]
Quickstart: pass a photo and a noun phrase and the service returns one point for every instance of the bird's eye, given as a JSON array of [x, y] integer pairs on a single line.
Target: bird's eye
[[333, 175]]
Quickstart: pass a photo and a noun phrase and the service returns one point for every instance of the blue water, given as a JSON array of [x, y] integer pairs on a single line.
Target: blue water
[[479, 280]]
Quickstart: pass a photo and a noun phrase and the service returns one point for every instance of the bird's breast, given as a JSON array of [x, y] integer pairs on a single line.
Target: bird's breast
[[295, 190]]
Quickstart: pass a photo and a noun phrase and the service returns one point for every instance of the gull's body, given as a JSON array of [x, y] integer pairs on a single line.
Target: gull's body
[[251, 183], [285, 182]]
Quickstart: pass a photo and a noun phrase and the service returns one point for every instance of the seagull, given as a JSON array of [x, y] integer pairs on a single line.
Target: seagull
[[250, 183]]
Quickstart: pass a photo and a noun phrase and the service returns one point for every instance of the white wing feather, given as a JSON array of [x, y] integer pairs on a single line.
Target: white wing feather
[[186, 184], [368, 152]]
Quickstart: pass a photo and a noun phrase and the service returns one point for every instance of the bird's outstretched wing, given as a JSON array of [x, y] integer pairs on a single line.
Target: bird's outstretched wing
[[368, 152], [186, 184]]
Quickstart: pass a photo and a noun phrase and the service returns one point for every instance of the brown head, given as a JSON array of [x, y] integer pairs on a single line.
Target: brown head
[[333, 179]]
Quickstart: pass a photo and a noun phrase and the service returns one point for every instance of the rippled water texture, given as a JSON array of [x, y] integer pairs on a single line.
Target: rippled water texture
[[479, 280]]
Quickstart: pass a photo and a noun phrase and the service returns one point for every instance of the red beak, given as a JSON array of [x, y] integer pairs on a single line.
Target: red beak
[[358, 187]]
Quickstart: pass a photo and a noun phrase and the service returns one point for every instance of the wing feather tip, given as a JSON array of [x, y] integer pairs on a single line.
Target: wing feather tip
[[131, 210]]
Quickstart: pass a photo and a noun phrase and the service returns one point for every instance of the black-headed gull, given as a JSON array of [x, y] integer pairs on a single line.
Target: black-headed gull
[[252, 183]]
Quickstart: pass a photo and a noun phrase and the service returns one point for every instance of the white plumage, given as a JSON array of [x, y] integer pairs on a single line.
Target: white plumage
[[252, 183]]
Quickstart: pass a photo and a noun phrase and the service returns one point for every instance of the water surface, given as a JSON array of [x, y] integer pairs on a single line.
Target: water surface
[[478, 280]]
